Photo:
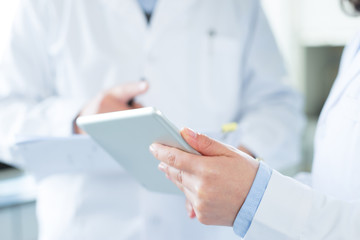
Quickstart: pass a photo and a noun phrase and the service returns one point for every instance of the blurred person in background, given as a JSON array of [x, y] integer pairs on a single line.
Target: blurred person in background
[[203, 63], [228, 187]]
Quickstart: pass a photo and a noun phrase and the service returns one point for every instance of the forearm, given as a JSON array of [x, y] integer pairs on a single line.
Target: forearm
[[21, 116], [291, 210]]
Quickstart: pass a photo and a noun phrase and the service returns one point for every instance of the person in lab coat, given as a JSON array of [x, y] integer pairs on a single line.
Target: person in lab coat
[[228, 187], [205, 64]]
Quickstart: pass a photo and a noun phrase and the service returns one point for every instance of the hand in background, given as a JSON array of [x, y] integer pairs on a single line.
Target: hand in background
[[216, 184], [115, 99]]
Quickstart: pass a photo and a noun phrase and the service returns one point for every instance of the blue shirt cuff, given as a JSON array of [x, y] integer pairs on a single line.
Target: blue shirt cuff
[[247, 212]]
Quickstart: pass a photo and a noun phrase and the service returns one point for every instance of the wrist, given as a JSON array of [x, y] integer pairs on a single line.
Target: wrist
[[249, 208]]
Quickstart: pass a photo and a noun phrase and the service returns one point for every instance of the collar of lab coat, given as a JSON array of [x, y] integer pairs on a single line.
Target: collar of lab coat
[[348, 74], [165, 12]]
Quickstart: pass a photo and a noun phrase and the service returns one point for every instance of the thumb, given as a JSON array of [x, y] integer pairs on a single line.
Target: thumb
[[128, 91], [205, 145]]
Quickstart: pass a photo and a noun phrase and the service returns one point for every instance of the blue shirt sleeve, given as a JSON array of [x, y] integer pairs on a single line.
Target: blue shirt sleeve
[[247, 212]]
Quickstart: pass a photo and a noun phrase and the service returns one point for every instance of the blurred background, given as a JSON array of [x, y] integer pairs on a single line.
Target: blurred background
[[311, 35]]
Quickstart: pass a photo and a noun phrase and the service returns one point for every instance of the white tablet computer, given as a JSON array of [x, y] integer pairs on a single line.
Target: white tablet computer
[[127, 135]]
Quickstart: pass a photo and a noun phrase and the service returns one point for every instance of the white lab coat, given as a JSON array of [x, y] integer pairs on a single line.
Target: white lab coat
[[290, 210], [208, 63]]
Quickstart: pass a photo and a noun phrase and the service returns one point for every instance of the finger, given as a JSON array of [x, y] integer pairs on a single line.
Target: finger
[[190, 209], [124, 93], [205, 145], [190, 196], [188, 206], [183, 183], [188, 193], [137, 105], [179, 176], [174, 157]]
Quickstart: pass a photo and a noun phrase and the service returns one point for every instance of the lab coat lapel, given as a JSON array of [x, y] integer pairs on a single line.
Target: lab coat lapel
[[130, 10], [350, 73], [168, 11]]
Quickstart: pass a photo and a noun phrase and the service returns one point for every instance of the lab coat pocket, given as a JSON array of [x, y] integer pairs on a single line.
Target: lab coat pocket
[[220, 71]]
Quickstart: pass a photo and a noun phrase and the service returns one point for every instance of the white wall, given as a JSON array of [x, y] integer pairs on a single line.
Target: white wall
[[284, 19], [298, 24], [281, 20], [313, 22], [324, 23]]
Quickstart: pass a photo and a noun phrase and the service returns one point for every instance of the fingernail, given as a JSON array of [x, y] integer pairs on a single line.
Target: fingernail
[[191, 133], [162, 167], [142, 85], [152, 148]]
